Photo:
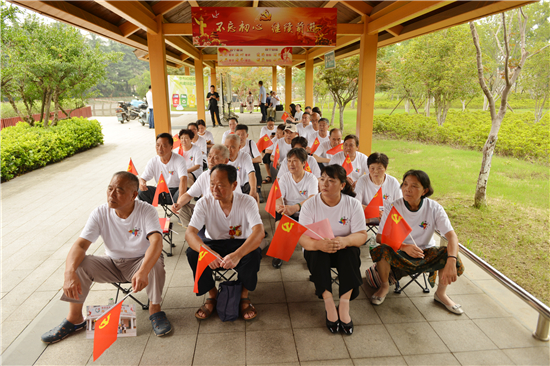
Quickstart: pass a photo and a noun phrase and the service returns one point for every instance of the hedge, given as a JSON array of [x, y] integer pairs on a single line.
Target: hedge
[[25, 148], [519, 135]]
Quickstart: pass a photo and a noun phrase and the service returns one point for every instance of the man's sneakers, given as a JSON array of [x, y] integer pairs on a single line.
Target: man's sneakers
[[160, 324], [62, 331]]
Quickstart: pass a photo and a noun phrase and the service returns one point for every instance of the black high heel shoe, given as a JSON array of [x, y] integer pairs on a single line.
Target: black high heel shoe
[[333, 327], [347, 328]]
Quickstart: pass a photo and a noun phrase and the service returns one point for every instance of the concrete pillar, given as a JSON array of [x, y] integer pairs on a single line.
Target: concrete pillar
[[199, 80], [288, 87]]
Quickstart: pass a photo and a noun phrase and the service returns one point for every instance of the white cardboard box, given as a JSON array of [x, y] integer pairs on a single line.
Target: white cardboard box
[[127, 324]]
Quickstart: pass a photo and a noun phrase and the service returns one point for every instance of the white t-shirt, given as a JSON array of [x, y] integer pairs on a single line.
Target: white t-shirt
[[275, 101], [308, 131], [251, 149], [303, 131], [266, 131], [293, 192], [283, 169], [298, 116], [272, 147], [359, 165], [208, 136], [201, 187], [423, 222], [244, 166], [345, 218], [225, 134], [123, 238], [193, 157], [149, 97], [172, 172], [366, 189], [284, 148], [201, 143], [243, 217], [316, 135], [322, 151]]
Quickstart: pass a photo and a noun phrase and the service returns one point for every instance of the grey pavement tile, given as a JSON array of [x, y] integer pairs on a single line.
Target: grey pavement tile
[[434, 311], [220, 349], [319, 344], [529, 356], [342, 362], [32, 306], [183, 322], [268, 293], [362, 312], [295, 272], [369, 291], [416, 338], [370, 341], [67, 353], [169, 350], [435, 359], [398, 310], [493, 357], [307, 314], [125, 351], [181, 297], [270, 346], [508, 333], [461, 336], [472, 271], [480, 306], [181, 278], [379, 361], [10, 331], [270, 316], [463, 286], [300, 291], [215, 325], [269, 274], [14, 278]]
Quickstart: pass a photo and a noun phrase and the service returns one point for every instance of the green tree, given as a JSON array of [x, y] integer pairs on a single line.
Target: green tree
[[141, 83]]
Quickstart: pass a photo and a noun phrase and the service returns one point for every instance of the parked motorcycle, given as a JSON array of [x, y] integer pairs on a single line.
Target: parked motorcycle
[[143, 113], [126, 111]]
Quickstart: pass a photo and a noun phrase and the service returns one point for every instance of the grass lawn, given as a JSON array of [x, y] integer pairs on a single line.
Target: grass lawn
[[512, 233]]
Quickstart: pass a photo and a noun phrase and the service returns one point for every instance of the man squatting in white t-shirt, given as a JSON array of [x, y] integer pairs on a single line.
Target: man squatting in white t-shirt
[[133, 246], [173, 169], [234, 231]]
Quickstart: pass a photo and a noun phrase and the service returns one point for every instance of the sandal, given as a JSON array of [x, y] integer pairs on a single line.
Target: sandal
[[205, 310], [267, 180], [62, 331], [250, 309]]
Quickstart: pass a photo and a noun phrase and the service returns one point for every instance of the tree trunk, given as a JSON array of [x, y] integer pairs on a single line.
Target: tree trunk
[[342, 117], [407, 105], [463, 105], [14, 106], [427, 106], [333, 112], [47, 109], [480, 198], [353, 104]]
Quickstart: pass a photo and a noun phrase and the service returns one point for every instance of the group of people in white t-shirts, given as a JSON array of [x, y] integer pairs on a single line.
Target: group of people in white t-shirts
[[308, 160]]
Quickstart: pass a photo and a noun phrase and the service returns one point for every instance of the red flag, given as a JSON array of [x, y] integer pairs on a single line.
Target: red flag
[[395, 230], [335, 150], [264, 143], [347, 165], [132, 168], [274, 193], [276, 157], [372, 210], [205, 258], [321, 228], [285, 116], [177, 142], [315, 145], [161, 187], [106, 329], [180, 150], [307, 168], [285, 238]]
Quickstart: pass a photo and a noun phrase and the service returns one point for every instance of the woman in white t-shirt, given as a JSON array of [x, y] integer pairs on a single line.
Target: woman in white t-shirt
[[418, 252], [335, 203], [204, 133], [368, 185], [192, 155], [298, 115], [358, 159], [279, 134]]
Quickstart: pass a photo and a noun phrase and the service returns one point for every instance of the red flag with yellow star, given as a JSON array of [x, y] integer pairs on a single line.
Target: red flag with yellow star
[[161, 187], [106, 330], [315, 145], [132, 168], [347, 165], [264, 143], [285, 238], [285, 116], [274, 193], [373, 208], [307, 168], [205, 258], [276, 157], [335, 150], [395, 230], [177, 142]]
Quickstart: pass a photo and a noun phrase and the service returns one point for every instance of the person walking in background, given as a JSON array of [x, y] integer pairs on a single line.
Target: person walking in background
[[149, 97], [262, 99], [213, 97], [250, 102]]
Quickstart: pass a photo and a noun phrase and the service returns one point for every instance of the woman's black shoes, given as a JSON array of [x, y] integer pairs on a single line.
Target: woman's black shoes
[[347, 328], [333, 327]]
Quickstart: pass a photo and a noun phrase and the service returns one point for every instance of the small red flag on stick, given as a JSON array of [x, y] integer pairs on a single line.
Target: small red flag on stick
[[132, 168], [307, 168], [276, 157], [335, 150], [205, 258], [177, 142], [395, 230], [274, 193], [285, 238], [264, 143], [106, 330], [315, 145], [347, 165], [161, 187], [285, 116], [373, 208]]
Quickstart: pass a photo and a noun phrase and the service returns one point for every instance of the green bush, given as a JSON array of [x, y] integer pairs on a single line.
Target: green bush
[[25, 148], [519, 136]]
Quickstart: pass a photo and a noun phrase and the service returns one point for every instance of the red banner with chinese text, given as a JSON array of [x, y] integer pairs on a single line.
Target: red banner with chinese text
[[237, 26]]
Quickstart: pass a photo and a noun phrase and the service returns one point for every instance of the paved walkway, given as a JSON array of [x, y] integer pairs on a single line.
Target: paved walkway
[[44, 212]]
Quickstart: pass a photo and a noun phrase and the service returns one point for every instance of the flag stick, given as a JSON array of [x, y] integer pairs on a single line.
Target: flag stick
[[306, 227], [413, 240], [217, 256]]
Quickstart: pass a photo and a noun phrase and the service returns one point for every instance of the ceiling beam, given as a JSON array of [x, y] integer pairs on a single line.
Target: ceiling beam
[[183, 46], [410, 11], [177, 29], [385, 7], [349, 29], [340, 42], [360, 7], [160, 8], [255, 3], [330, 4], [395, 31], [134, 12], [193, 3]]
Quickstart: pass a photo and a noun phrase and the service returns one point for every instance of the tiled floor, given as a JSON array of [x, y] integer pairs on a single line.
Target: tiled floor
[[45, 210]]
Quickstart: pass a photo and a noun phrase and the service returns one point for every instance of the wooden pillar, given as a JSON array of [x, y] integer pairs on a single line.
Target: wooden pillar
[[159, 79], [199, 80], [367, 84], [187, 71], [213, 79], [288, 87], [309, 82], [274, 78]]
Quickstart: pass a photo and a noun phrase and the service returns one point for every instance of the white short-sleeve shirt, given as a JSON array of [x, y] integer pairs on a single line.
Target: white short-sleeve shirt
[[294, 192], [193, 157], [322, 151], [430, 217], [284, 148], [123, 238], [283, 169], [359, 164], [266, 131], [303, 131], [172, 171], [251, 149], [201, 187], [238, 224], [208, 136], [366, 189], [298, 116], [272, 147], [345, 218], [244, 166], [201, 143], [225, 134]]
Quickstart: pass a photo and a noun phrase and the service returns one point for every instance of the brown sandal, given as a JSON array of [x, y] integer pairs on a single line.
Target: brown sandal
[[205, 310], [250, 309]]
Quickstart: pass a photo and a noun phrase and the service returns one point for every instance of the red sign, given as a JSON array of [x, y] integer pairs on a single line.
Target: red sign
[[236, 26]]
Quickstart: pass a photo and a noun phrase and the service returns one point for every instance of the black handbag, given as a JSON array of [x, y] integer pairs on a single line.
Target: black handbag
[[280, 107], [228, 300]]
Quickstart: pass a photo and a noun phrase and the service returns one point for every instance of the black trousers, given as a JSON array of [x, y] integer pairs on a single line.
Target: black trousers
[[248, 266], [347, 262], [164, 199], [215, 115], [263, 109], [258, 174]]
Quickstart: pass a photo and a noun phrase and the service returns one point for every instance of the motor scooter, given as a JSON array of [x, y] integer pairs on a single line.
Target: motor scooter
[[122, 112], [143, 113]]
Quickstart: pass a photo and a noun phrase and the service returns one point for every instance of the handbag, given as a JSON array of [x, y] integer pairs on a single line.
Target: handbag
[[228, 300], [280, 107]]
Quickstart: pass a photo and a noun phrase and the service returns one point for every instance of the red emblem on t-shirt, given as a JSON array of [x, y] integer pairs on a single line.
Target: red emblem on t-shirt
[[235, 231]]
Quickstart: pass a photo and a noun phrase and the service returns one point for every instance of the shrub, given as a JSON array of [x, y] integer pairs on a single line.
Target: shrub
[[25, 148], [519, 136]]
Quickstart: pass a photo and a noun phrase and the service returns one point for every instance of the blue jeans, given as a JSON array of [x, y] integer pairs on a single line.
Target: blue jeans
[[151, 118]]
